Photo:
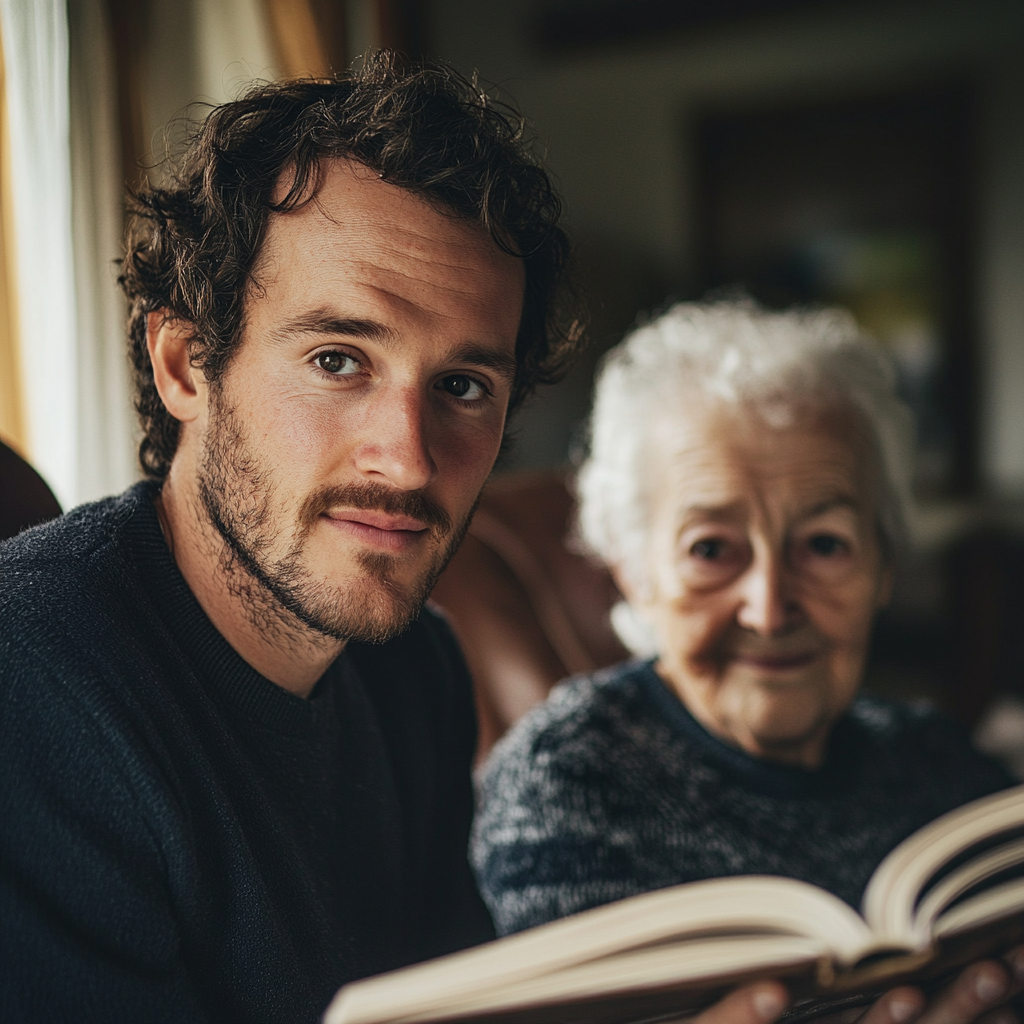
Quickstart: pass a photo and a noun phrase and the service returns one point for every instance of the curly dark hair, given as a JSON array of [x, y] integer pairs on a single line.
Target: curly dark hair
[[192, 245]]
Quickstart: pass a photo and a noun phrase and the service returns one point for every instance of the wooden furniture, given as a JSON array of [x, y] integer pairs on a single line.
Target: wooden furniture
[[24, 497]]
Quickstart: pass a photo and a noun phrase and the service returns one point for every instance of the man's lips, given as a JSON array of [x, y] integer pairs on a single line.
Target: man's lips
[[379, 529]]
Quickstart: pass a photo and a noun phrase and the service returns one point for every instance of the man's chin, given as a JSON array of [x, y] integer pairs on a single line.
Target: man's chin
[[374, 605], [366, 613]]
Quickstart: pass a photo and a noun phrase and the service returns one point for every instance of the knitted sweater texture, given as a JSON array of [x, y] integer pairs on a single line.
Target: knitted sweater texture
[[181, 839], [611, 788]]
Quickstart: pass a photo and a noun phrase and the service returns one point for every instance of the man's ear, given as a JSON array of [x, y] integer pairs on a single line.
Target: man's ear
[[180, 385]]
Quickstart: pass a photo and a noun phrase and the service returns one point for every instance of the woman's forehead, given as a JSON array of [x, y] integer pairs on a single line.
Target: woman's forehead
[[718, 459]]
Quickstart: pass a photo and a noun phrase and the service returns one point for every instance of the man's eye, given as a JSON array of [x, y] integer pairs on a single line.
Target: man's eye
[[337, 363], [458, 385], [707, 549], [826, 544]]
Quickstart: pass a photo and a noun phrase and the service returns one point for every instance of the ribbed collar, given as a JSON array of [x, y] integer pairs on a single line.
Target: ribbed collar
[[222, 670], [753, 773]]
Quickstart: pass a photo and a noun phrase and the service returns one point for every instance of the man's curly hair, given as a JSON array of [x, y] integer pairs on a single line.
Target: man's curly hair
[[192, 245]]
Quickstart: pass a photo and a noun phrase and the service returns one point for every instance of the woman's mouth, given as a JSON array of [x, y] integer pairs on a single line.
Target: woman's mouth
[[778, 662]]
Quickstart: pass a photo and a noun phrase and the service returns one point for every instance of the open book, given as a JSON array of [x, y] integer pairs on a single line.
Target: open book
[[952, 892]]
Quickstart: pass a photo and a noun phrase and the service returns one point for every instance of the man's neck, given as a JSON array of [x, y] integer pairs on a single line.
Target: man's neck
[[266, 635]]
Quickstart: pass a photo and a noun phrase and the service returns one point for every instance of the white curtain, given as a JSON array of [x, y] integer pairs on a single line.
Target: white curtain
[[197, 52], [67, 183], [35, 40], [105, 427]]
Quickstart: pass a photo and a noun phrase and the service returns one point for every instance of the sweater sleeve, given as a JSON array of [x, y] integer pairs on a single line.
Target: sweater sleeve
[[542, 846], [509, 837], [87, 930]]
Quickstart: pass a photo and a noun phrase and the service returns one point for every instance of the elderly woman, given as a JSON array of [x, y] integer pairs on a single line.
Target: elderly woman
[[747, 485]]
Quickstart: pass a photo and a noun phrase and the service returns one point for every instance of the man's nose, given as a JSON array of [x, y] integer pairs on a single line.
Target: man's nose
[[394, 448], [766, 606]]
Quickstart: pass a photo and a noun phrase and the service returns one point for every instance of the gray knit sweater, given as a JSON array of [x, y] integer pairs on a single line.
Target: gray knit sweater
[[611, 788]]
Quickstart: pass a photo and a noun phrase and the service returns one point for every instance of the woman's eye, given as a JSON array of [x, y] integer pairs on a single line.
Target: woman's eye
[[337, 363], [826, 544], [707, 549], [458, 385]]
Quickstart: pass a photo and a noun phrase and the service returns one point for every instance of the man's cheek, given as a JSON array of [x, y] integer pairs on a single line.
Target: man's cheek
[[305, 433], [469, 452]]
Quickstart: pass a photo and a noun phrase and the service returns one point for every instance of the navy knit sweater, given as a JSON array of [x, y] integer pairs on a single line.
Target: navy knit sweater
[[611, 788], [182, 840]]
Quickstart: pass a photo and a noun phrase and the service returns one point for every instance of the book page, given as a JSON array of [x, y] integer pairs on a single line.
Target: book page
[[991, 905], [699, 960], [963, 879], [741, 906], [891, 896]]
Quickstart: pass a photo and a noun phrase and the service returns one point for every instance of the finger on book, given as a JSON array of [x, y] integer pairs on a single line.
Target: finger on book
[[1014, 960], [1000, 1015], [753, 1004], [978, 989], [898, 1006]]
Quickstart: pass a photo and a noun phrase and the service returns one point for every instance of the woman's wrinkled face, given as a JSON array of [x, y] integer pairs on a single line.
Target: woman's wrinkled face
[[766, 573]]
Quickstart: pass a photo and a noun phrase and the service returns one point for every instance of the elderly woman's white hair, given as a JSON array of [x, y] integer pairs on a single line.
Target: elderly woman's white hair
[[737, 354]]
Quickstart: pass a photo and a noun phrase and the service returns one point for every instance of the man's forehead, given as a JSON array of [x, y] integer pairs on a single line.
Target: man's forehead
[[328, 169], [365, 251], [350, 193], [354, 206]]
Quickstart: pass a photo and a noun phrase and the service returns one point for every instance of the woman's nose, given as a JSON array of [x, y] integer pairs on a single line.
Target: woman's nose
[[766, 606]]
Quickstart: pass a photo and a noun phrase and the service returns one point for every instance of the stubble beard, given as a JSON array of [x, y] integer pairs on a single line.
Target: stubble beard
[[280, 596]]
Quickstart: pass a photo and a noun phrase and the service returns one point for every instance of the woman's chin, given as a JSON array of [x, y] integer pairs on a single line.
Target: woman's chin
[[791, 728]]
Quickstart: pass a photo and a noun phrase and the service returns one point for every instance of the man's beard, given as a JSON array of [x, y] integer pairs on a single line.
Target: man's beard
[[239, 500]]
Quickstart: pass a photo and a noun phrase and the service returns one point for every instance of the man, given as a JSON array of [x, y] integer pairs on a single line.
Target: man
[[235, 762]]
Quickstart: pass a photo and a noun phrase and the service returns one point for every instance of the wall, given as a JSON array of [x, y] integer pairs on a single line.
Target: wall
[[613, 124]]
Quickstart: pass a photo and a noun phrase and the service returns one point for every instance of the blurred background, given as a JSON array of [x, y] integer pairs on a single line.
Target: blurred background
[[862, 152]]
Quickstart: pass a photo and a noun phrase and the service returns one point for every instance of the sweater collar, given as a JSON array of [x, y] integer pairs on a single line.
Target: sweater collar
[[219, 666], [753, 773]]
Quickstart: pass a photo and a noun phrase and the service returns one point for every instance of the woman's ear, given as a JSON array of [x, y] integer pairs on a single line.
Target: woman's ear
[[180, 385], [626, 589], [630, 623], [636, 632]]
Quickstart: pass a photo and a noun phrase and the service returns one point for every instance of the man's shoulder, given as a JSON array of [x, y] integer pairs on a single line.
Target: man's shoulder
[[70, 576], [69, 546]]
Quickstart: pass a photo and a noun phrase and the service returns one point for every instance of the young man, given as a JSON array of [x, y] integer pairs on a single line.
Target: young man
[[235, 756]]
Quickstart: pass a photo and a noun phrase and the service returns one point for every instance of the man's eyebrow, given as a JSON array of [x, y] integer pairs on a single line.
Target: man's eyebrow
[[322, 321], [503, 363]]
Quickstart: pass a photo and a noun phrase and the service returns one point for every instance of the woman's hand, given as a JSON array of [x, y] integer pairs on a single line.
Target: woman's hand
[[760, 1003], [979, 995]]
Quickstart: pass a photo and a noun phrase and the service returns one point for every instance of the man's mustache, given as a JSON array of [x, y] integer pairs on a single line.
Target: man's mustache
[[378, 498]]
